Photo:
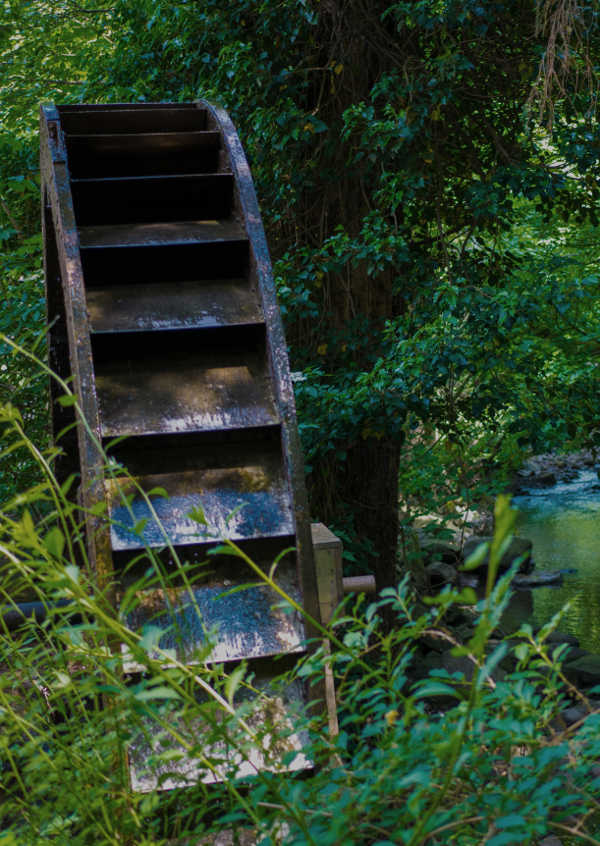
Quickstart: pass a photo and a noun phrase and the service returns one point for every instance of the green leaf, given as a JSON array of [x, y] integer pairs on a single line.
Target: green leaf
[[54, 541], [506, 838], [140, 526], [435, 688], [477, 557], [73, 573], [156, 692], [150, 639], [158, 491], [197, 515], [234, 679], [67, 400], [510, 821]]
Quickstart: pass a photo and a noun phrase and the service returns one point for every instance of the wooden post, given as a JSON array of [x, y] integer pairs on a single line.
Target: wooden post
[[328, 561]]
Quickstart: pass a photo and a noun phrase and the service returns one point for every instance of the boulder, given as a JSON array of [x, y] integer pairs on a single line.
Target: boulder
[[544, 480], [440, 574], [518, 548], [437, 550], [463, 664], [574, 714], [534, 580], [562, 637], [570, 655], [584, 670]]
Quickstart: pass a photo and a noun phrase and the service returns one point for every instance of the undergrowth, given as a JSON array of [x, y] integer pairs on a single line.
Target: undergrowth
[[98, 719]]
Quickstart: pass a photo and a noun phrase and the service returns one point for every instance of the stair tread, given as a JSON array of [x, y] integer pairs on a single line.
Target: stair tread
[[152, 178], [165, 198], [143, 153], [128, 138], [243, 502], [186, 391], [250, 624], [169, 305], [132, 119], [149, 234]]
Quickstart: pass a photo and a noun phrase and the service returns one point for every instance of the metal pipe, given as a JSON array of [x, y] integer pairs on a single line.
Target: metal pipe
[[14, 616]]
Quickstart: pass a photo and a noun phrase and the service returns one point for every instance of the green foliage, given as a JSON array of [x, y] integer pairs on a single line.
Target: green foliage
[[435, 249], [465, 757]]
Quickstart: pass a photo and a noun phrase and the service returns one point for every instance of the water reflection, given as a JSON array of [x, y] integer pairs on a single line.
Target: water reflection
[[563, 523]]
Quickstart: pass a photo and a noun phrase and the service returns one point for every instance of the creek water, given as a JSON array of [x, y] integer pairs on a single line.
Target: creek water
[[563, 522]]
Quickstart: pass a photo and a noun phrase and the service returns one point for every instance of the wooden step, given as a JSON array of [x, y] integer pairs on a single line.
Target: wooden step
[[246, 499], [250, 623], [272, 716], [143, 153], [156, 234], [223, 258], [173, 305], [148, 199], [157, 382], [141, 118]]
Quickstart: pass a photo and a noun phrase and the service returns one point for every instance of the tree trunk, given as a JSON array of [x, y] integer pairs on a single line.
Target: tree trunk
[[364, 488]]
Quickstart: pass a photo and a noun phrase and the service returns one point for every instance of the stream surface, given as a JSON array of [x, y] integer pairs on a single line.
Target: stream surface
[[563, 522]]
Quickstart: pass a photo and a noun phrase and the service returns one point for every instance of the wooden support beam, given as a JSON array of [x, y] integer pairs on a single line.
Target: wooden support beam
[[328, 564], [328, 561], [359, 584]]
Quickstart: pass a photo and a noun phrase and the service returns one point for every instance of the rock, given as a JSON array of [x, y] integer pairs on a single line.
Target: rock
[[437, 550], [584, 670], [440, 574], [461, 665], [574, 714], [465, 666], [538, 579], [464, 632], [551, 840], [468, 580], [573, 653], [562, 637], [430, 661], [434, 644], [518, 548]]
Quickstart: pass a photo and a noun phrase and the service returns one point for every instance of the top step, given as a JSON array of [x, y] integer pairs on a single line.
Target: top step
[[132, 118]]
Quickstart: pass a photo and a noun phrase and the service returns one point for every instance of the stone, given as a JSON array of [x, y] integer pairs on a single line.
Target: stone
[[436, 550], [562, 637], [573, 653], [574, 714], [463, 664], [440, 574], [431, 661], [551, 840], [584, 670], [518, 548], [537, 579]]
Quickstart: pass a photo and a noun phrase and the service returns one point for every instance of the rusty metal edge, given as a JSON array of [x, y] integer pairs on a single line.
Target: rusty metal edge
[[55, 189], [278, 358]]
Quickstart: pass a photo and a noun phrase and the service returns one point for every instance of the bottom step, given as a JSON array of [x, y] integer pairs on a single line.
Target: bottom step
[[272, 748]]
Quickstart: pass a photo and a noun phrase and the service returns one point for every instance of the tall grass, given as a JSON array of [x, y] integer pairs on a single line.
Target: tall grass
[[97, 720]]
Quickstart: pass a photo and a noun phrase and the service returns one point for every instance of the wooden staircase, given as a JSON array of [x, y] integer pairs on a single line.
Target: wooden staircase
[[162, 309]]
